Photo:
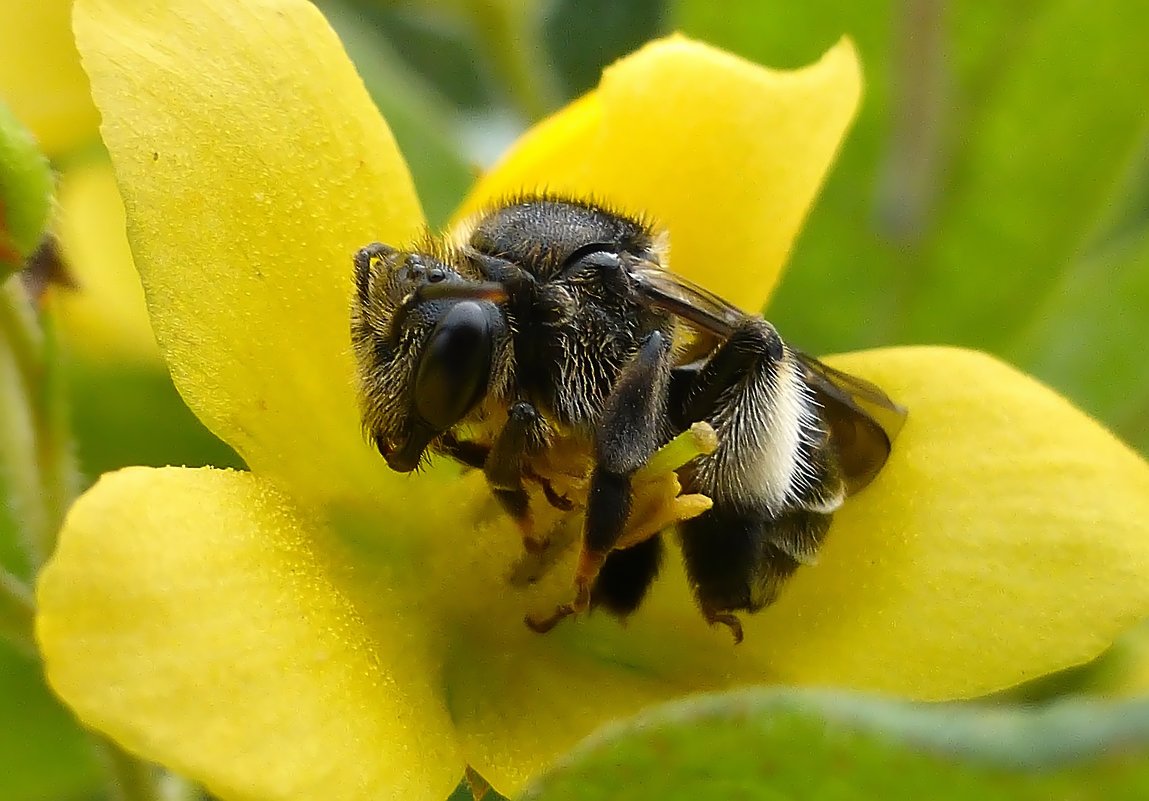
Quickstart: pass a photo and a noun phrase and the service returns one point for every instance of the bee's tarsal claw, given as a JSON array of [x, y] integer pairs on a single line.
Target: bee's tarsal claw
[[581, 602], [728, 620]]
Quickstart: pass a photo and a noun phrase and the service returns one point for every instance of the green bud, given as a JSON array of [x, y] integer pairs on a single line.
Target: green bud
[[25, 193]]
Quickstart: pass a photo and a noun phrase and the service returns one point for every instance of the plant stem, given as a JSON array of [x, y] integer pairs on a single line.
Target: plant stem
[[908, 181], [17, 614], [59, 473], [52, 470]]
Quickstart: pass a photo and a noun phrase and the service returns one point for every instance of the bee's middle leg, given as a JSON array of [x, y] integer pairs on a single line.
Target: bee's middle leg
[[628, 434]]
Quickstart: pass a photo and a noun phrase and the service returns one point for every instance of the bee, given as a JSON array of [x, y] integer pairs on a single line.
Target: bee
[[546, 320]]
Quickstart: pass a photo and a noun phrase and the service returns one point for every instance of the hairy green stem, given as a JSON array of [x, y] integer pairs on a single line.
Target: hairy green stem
[[52, 470], [17, 614], [59, 473]]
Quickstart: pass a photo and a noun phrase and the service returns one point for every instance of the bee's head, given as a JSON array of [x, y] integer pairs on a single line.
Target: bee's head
[[426, 341]]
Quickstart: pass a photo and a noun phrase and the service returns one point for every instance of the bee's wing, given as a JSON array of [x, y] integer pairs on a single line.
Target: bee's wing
[[863, 420], [685, 299]]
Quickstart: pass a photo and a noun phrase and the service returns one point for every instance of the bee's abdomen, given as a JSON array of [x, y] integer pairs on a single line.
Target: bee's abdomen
[[740, 559], [774, 479], [773, 451]]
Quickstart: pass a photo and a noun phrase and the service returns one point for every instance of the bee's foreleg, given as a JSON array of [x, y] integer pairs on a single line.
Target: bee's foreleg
[[628, 434], [505, 466], [514, 500], [560, 502], [465, 452]]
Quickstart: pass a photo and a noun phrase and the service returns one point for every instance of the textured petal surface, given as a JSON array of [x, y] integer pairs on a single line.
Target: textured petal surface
[[40, 75], [201, 621], [104, 315], [252, 166], [724, 153], [1007, 538]]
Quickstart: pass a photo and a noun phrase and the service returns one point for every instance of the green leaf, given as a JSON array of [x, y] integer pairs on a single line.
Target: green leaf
[[779, 744], [1043, 148], [25, 193], [44, 755], [421, 120], [1087, 335]]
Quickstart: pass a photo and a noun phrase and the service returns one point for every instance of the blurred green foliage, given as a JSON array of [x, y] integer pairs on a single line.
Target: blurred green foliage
[[43, 753], [138, 418], [585, 36], [771, 744]]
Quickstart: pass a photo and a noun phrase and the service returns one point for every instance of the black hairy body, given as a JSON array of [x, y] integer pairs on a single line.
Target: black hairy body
[[558, 320]]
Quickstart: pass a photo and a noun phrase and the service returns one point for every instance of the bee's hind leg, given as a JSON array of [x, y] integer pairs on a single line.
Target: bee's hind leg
[[628, 434]]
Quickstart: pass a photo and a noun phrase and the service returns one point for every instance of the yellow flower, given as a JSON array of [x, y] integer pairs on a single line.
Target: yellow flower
[[322, 628], [40, 75]]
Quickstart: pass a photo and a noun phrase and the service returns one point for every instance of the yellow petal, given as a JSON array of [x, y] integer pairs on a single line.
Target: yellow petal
[[103, 317], [252, 165], [517, 713], [724, 153], [1006, 539], [40, 75], [199, 619]]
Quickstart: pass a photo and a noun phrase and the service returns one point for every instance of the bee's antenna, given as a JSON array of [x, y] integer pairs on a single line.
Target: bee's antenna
[[457, 290]]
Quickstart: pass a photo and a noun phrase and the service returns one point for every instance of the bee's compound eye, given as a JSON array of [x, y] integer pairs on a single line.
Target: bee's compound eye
[[436, 274], [455, 366]]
